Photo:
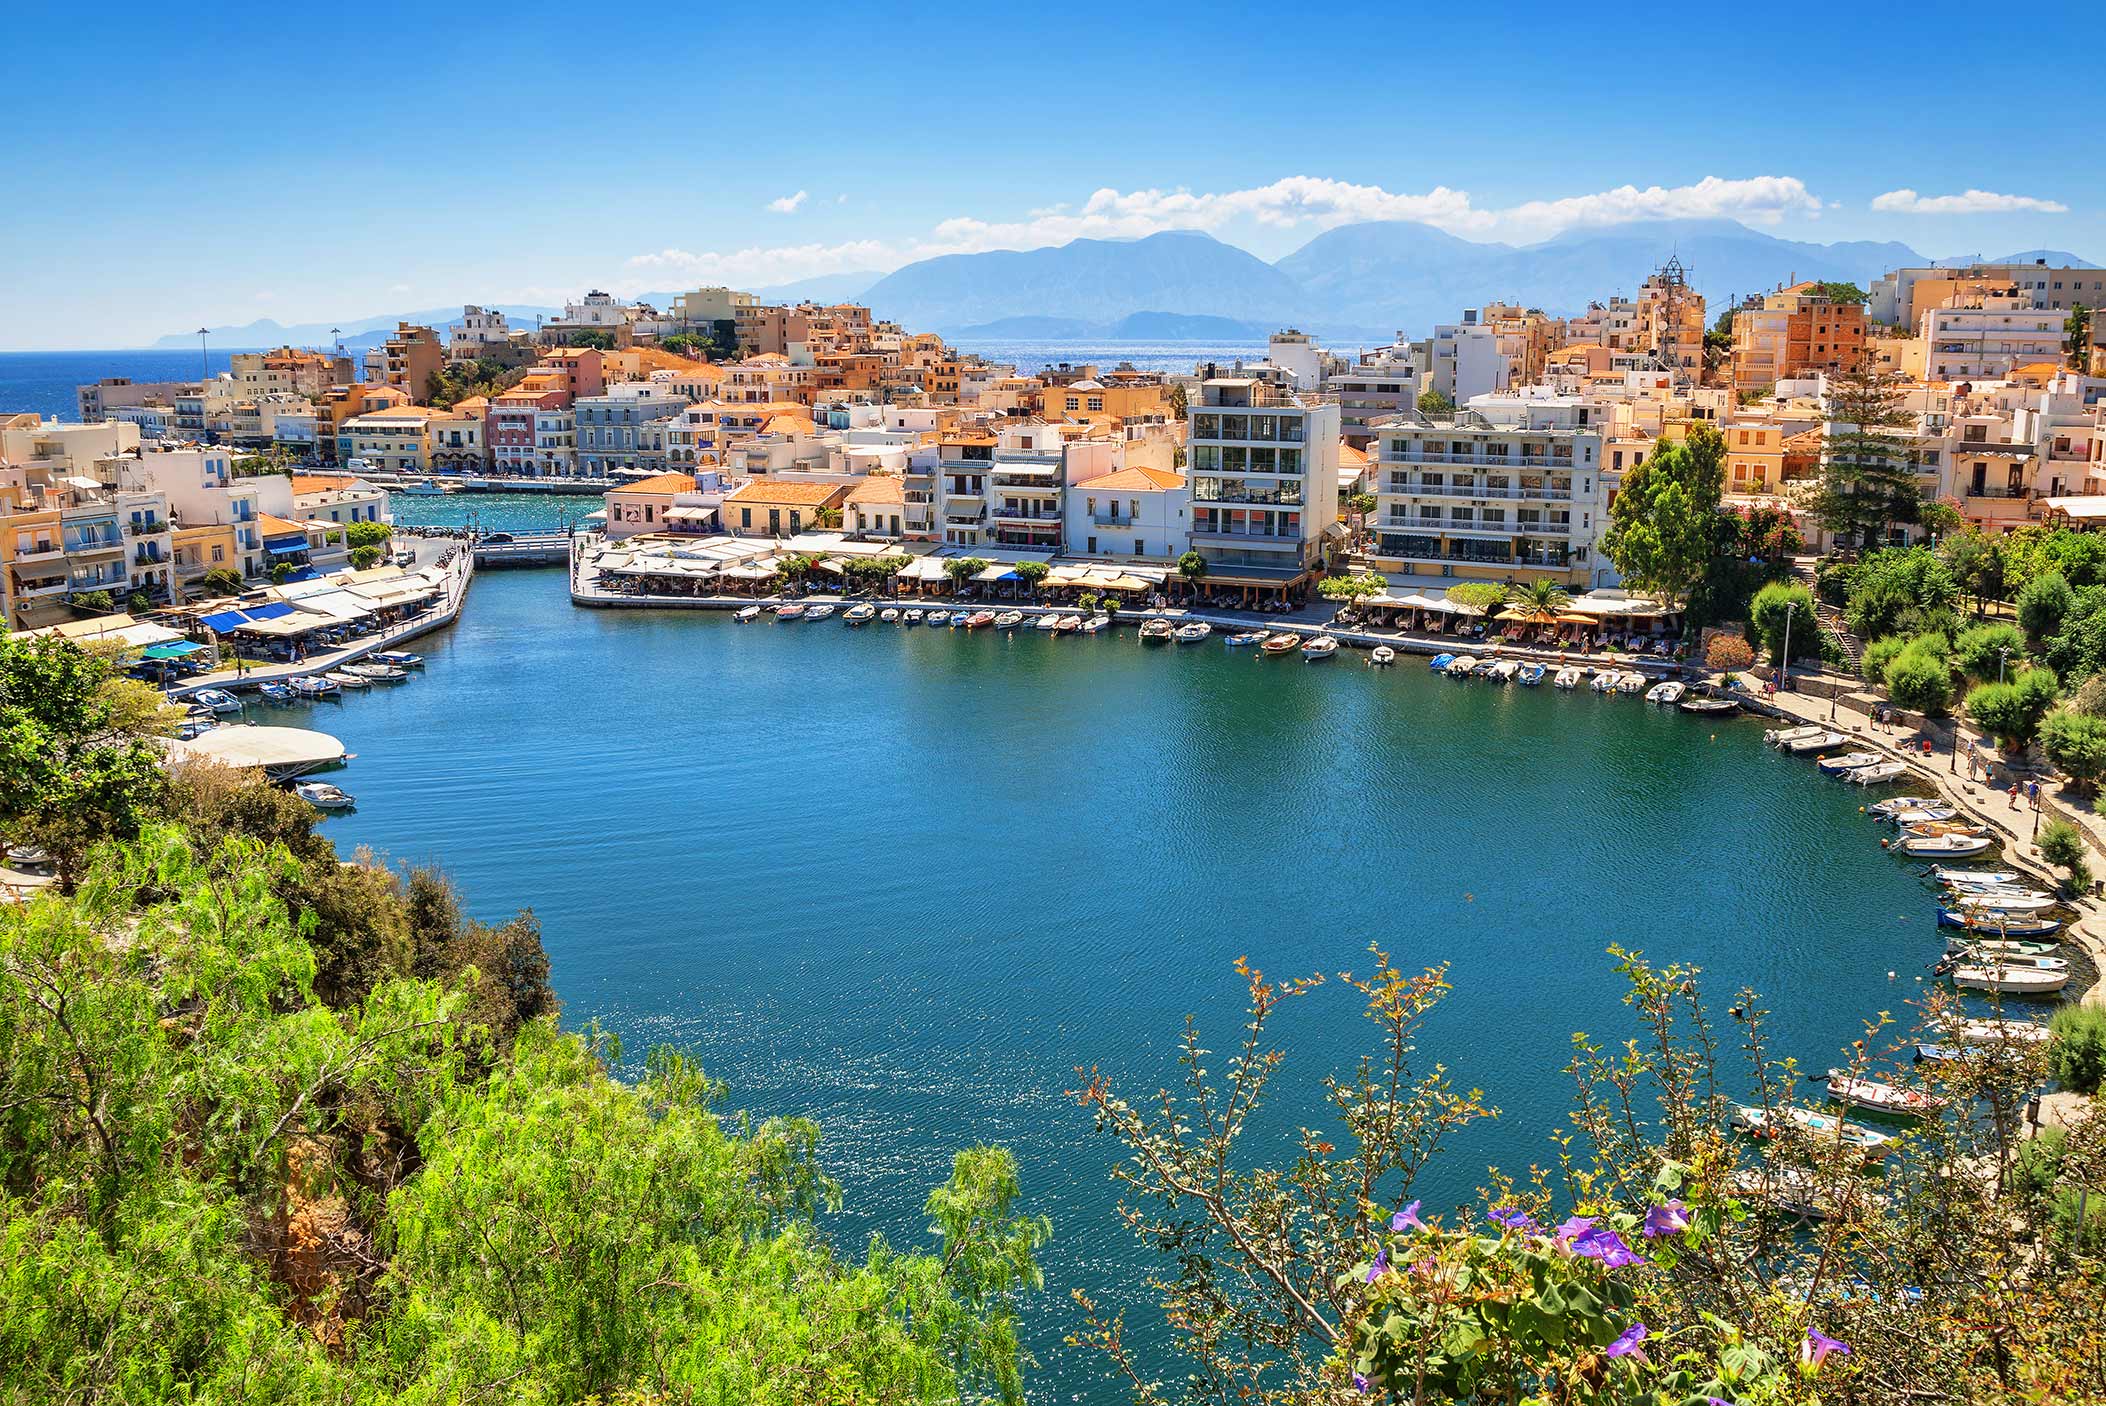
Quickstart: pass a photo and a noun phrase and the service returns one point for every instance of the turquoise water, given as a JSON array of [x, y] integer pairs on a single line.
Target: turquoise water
[[495, 512], [906, 881]]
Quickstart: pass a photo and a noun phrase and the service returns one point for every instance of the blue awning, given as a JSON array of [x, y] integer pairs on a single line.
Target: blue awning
[[286, 549], [225, 622], [270, 611]]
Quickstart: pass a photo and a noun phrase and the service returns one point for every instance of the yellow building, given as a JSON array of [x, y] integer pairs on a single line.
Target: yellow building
[[205, 547], [33, 571], [768, 507], [1113, 398]]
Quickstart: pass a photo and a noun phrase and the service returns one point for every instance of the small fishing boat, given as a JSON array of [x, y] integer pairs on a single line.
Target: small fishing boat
[[1878, 773], [1094, 624], [1319, 649], [1485, 669], [1067, 624], [1047, 623], [425, 488], [1502, 670], [1759, 1122], [1977, 950], [912, 617], [1381, 657], [979, 620], [1529, 675], [1440, 662], [1783, 736], [1945, 846], [1846, 761], [889, 615], [378, 673], [1993, 892], [936, 617], [1795, 1191], [791, 611], [1247, 639], [747, 615], [861, 613], [1194, 633], [1944, 827], [1922, 814], [2003, 978], [819, 612], [313, 686], [1009, 619], [2004, 902], [2001, 925], [1462, 666], [275, 693], [401, 659], [1660, 692], [1817, 742], [344, 678], [1280, 644], [1992, 1032], [1972, 878], [217, 700], [1157, 631], [960, 619], [1709, 707], [323, 796], [1605, 682], [1567, 678], [1631, 683], [1874, 1096]]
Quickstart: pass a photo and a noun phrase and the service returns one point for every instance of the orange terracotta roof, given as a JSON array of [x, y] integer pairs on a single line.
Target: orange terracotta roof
[[764, 490], [278, 526], [791, 424], [322, 483], [660, 483], [879, 488], [1135, 480], [1350, 457]]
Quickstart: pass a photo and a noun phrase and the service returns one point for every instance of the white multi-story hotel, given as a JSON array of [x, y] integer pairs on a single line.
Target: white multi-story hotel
[[1989, 337], [1510, 489], [1262, 468]]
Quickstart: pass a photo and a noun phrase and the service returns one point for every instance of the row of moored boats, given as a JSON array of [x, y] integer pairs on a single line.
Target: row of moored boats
[[1668, 693]]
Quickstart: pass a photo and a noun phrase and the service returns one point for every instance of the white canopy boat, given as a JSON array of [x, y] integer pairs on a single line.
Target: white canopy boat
[[1758, 1122], [1567, 677], [1954, 846], [1878, 1097], [1846, 761], [2005, 979], [1193, 633], [323, 796], [860, 613], [1876, 773], [1818, 741], [1463, 667]]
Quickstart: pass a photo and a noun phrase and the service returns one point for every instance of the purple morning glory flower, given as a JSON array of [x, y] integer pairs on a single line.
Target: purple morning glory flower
[[1360, 1383], [1374, 1271], [1628, 1344], [1513, 1218], [1408, 1217], [1817, 1347], [1606, 1246], [1574, 1228], [1670, 1219]]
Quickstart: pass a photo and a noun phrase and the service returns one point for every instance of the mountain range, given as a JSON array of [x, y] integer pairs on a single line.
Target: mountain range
[[1355, 282]]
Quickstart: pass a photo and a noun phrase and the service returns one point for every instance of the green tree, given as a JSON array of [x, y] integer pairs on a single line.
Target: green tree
[[1032, 573], [597, 341], [1178, 405], [368, 534], [1193, 567], [1782, 607], [2076, 743], [1435, 405], [1840, 292], [963, 569], [1867, 480], [1484, 597], [2012, 712], [2062, 845], [365, 558], [1976, 564], [1872, 664], [1987, 651], [221, 581], [2076, 332], [2077, 1053], [1351, 588], [93, 603], [1908, 589], [1661, 526], [1539, 597], [281, 572], [1918, 678], [2042, 605]]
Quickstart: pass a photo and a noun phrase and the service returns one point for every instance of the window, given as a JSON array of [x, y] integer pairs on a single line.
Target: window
[[219, 554]]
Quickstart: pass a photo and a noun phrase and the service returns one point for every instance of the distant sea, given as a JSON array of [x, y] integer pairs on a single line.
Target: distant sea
[[45, 381]]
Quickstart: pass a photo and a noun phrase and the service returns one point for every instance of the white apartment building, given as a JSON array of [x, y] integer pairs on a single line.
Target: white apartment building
[[201, 490], [1467, 362], [1262, 469], [1138, 512], [478, 331], [1382, 382], [1510, 489], [1989, 339], [1024, 488]]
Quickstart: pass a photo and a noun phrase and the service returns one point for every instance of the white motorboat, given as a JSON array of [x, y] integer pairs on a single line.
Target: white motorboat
[[1876, 774], [1049, 623], [1504, 670], [1997, 952], [1876, 1096], [1975, 878], [818, 612], [1009, 619], [1067, 624], [1319, 649], [2005, 901], [1462, 667], [1990, 1032], [1632, 682], [1817, 742], [890, 615], [1193, 633], [323, 796], [938, 617], [861, 613], [376, 673], [1921, 814], [344, 678], [1948, 846], [1382, 657], [217, 700], [1782, 736], [1758, 1122], [2005, 979], [1668, 693], [911, 617], [1567, 677], [1605, 682], [313, 686], [1094, 623], [398, 658], [748, 615], [1846, 761]]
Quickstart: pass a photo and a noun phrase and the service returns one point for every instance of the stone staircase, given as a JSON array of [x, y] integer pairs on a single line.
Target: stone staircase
[[1831, 619]]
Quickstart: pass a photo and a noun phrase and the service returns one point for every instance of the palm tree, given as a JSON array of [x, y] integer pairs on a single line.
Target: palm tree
[[1541, 597]]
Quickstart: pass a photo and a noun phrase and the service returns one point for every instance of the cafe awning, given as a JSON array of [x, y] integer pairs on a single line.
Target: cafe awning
[[174, 649], [997, 572], [924, 569]]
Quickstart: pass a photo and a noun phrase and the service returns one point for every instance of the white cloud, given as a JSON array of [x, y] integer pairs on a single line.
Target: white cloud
[[788, 204], [1968, 202], [398, 288], [1294, 202]]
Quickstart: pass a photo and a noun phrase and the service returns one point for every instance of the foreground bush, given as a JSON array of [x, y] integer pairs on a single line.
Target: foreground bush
[[2078, 1056]]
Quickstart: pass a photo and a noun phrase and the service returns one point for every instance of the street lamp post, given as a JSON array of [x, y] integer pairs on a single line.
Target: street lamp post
[[204, 357], [2003, 652]]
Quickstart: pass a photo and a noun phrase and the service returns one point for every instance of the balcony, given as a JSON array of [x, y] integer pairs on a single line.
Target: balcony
[[1248, 538], [964, 519], [48, 552], [92, 547], [1209, 490], [42, 590], [1399, 483], [1006, 513], [148, 557], [1113, 519]]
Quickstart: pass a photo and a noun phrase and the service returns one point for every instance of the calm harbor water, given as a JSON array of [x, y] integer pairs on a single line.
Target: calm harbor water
[[906, 881]]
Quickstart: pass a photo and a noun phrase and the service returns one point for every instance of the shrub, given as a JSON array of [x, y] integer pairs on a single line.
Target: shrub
[[2013, 711], [2062, 845], [1780, 604], [2077, 1059], [2090, 696], [367, 534], [1977, 650], [1918, 679], [94, 602], [1728, 653], [365, 558], [1833, 579], [2075, 742], [220, 581], [1878, 654], [1478, 595], [2043, 604]]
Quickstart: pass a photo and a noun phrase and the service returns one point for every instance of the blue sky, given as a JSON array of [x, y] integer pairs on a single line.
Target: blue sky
[[171, 166]]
